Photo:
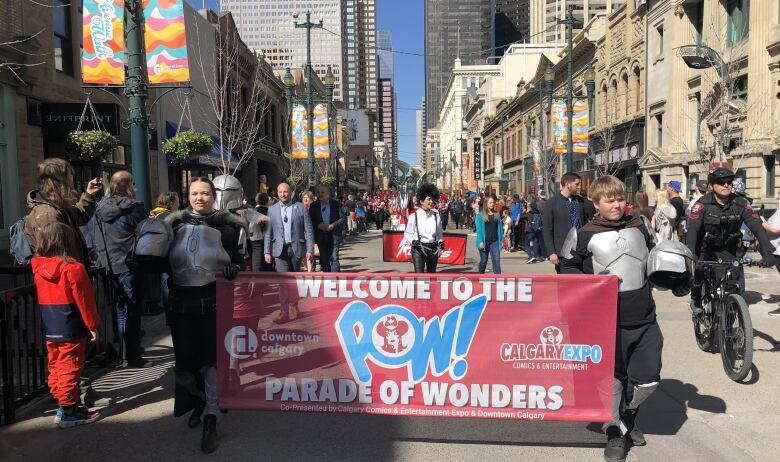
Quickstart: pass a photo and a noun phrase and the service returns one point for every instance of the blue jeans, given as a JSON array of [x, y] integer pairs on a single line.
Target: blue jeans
[[494, 249], [532, 245], [542, 246], [128, 318]]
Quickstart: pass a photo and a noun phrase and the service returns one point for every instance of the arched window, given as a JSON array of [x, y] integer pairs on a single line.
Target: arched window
[[603, 102], [637, 90], [625, 99]]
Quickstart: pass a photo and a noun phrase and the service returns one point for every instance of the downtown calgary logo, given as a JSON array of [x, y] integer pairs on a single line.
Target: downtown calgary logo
[[551, 353]]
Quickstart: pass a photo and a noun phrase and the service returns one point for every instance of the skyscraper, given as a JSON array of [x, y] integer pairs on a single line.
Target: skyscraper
[[544, 15], [386, 118], [511, 23], [453, 29], [419, 137], [384, 54], [269, 26], [359, 58]]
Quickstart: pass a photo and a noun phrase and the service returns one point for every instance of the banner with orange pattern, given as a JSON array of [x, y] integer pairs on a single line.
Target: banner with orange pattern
[[103, 54], [321, 140], [166, 42]]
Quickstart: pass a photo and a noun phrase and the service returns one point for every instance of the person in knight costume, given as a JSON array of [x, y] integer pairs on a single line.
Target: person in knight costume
[[617, 244], [229, 197], [205, 244]]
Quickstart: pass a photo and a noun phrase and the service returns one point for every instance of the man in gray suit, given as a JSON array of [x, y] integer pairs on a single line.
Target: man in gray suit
[[290, 238]]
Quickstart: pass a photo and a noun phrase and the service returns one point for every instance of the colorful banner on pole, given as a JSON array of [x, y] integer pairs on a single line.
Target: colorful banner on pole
[[166, 42], [103, 36], [536, 153], [321, 140], [580, 126], [393, 248], [559, 123], [530, 347], [300, 127]]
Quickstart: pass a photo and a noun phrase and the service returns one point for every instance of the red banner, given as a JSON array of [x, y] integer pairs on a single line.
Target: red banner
[[393, 249], [440, 345]]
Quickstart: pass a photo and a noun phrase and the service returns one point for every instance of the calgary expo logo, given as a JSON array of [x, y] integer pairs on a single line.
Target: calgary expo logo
[[240, 342], [392, 337], [551, 347]]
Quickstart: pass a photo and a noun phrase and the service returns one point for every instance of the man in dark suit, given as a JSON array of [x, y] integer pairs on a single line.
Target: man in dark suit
[[561, 213], [327, 220]]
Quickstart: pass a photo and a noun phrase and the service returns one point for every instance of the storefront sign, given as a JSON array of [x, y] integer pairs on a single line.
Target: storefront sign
[[530, 347], [59, 119], [394, 249], [623, 154]]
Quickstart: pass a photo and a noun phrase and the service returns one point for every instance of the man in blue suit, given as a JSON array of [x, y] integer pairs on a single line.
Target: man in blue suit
[[290, 238], [327, 220]]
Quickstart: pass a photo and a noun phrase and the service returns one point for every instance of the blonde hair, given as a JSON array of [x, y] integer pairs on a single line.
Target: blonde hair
[[121, 184], [307, 194], [56, 239], [661, 197], [607, 187], [55, 182]]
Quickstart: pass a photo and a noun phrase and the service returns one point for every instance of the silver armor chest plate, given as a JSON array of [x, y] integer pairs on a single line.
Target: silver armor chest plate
[[622, 253], [197, 255]]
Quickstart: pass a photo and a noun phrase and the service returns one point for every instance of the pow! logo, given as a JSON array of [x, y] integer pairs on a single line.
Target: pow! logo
[[392, 336], [551, 335]]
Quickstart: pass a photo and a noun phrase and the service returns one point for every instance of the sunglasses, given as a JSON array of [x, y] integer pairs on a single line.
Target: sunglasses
[[724, 182]]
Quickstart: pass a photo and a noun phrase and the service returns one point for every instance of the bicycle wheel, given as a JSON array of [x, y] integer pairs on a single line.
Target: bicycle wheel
[[704, 331], [736, 337]]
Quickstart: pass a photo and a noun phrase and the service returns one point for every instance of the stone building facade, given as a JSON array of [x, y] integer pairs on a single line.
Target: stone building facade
[[698, 118]]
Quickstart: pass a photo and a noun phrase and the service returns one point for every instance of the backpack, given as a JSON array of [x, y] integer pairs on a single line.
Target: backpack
[[536, 222], [19, 246], [151, 241]]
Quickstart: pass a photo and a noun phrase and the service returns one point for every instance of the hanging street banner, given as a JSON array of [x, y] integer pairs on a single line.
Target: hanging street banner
[[103, 36], [559, 123], [321, 140], [530, 347], [580, 126], [393, 248], [536, 153], [300, 126], [166, 42], [477, 158]]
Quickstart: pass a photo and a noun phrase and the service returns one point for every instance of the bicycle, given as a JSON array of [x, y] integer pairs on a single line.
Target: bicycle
[[726, 316]]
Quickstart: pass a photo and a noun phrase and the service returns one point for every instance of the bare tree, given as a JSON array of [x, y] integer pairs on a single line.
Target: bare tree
[[237, 87], [607, 152]]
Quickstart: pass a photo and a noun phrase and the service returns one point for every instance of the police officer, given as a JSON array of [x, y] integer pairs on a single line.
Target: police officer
[[714, 228]]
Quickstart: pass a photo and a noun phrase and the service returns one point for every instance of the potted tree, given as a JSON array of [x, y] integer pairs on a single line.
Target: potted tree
[[187, 145]]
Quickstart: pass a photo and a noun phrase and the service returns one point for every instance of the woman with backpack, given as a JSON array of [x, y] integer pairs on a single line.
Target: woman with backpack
[[56, 200]]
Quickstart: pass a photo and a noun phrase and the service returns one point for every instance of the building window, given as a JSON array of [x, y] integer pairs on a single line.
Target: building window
[[698, 23], [740, 89], [660, 30], [63, 44], [738, 21], [769, 165], [659, 133]]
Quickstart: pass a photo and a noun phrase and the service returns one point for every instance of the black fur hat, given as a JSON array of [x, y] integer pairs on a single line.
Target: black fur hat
[[428, 190]]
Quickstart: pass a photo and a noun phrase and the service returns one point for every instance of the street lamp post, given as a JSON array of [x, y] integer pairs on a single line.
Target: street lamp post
[[570, 22], [330, 82], [308, 25]]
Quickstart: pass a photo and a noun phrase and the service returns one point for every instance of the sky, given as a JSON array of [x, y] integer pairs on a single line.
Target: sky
[[404, 20]]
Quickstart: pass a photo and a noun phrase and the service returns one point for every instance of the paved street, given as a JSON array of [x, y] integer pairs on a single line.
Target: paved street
[[697, 414]]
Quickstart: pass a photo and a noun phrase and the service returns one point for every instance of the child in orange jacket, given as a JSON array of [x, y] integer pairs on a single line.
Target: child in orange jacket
[[69, 316]]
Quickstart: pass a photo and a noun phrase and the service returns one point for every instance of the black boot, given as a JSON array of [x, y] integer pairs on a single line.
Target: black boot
[[616, 445], [209, 442], [632, 430], [194, 419]]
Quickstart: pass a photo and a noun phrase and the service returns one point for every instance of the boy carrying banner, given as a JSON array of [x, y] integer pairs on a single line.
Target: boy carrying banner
[[613, 243]]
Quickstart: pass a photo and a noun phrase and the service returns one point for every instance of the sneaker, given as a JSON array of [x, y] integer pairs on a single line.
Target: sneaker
[[775, 312], [77, 416], [530, 260], [616, 450], [58, 415]]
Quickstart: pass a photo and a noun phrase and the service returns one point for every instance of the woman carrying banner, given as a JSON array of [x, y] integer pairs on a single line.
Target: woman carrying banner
[[424, 231], [205, 243]]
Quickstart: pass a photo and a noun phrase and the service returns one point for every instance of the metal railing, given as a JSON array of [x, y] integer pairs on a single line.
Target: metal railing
[[23, 363]]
